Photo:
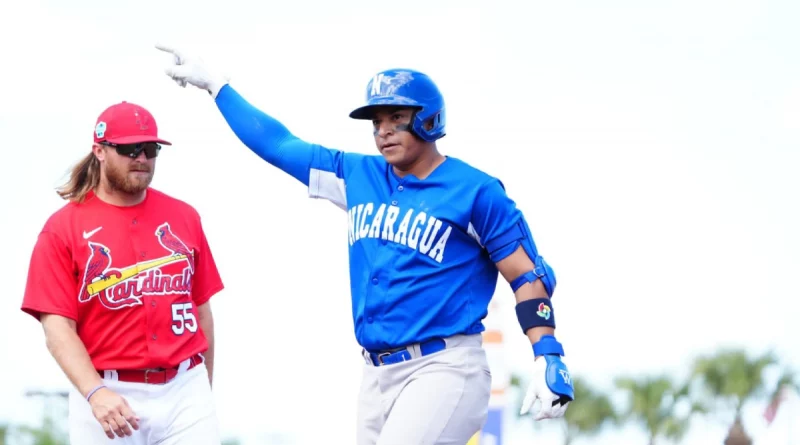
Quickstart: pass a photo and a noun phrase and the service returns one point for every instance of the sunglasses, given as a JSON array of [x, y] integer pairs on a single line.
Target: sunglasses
[[150, 149]]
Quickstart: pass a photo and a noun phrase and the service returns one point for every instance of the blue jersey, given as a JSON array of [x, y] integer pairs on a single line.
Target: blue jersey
[[419, 250]]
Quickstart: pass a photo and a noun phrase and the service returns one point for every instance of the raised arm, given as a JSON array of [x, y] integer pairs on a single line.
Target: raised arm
[[321, 169], [261, 133], [265, 135]]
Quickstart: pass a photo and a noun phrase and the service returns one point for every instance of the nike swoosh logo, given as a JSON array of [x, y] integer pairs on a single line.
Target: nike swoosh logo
[[87, 235]]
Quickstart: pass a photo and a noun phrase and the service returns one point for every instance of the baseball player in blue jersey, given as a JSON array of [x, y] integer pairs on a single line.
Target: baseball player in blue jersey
[[428, 236]]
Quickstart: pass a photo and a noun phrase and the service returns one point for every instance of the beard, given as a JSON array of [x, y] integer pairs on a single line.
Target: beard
[[123, 179]]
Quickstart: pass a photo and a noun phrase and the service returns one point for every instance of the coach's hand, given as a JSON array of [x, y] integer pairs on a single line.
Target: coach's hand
[[552, 385], [186, 69], [113, 413]]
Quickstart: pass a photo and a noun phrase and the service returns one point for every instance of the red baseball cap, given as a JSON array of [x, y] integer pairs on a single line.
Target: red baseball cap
[[126, 123]]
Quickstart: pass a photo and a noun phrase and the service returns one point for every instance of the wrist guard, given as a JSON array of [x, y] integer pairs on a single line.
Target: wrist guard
[[534, 313]]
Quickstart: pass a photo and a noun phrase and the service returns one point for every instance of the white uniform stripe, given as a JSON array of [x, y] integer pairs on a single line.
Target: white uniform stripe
[[325, 185]]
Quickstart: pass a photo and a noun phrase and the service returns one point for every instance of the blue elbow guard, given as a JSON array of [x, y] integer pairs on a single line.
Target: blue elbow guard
[[505, 245], [557, 375], [542, 271]]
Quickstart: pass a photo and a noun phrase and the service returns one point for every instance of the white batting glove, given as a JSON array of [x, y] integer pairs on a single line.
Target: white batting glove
[[551, 385], [191, 70]]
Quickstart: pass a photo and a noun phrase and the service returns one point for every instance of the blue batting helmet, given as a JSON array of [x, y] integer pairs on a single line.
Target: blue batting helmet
[[407, 88]]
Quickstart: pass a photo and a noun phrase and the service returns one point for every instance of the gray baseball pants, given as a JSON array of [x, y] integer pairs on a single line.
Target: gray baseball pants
[[438, 399]]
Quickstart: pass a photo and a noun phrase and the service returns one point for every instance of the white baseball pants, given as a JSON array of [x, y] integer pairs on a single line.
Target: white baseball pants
[[177, 413]]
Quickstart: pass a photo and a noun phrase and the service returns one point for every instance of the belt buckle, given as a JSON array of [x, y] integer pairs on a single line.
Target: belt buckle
[[149, 370], [382, 355]]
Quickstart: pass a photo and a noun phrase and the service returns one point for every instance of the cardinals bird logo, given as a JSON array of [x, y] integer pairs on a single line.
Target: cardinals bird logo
[[119, 288], [172, 243], [98, 267]]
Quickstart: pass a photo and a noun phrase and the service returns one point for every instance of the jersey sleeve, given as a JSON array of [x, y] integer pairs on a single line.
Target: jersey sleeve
[[327, 176], [319, 168], [52, 285], [497, 223], [207, 280]]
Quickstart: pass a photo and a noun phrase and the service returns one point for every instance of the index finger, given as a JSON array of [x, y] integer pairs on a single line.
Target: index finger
[[168, 49], [528, 401]]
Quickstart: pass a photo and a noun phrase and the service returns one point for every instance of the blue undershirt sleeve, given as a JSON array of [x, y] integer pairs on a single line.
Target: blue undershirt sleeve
[[265, 135], [321, 169]]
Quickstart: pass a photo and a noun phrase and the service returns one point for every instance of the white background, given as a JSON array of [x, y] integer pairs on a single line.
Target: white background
[[652, 145]]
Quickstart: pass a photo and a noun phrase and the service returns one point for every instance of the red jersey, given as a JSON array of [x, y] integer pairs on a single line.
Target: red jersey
[[131, 278]]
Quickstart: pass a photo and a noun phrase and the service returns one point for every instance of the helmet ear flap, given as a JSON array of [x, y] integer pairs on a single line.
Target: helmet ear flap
[[435, 121], [429, 129]]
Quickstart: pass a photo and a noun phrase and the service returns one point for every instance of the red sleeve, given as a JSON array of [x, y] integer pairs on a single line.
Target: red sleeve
[[207, 280], [51, 286]]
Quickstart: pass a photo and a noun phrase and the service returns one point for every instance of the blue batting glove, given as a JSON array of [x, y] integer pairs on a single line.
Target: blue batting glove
[[552, 385]]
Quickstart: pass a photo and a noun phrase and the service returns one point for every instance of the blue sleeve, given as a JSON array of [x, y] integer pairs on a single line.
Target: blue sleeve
[[501, 229], [499, 224], [318, 167]]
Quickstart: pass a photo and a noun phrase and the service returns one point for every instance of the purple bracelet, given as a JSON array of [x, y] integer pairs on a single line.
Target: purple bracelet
[[94, 390]]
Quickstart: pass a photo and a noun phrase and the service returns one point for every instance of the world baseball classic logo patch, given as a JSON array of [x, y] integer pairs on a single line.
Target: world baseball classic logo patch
[[544, 311]]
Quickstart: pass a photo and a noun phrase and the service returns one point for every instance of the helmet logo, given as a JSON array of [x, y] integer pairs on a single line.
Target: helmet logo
[[376, 84], [387, 85]]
